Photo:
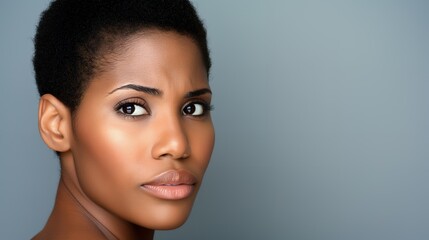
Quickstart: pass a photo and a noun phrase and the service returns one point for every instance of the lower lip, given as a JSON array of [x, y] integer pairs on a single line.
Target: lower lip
[[176, 192]]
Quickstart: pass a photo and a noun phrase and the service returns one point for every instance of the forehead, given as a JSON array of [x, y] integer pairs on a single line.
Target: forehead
[[158, 59], [157, 54]]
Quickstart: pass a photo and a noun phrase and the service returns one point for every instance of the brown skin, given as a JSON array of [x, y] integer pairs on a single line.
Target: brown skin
[[106, 155]]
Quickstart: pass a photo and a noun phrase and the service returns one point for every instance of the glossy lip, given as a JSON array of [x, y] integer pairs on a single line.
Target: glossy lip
[[171, 185]]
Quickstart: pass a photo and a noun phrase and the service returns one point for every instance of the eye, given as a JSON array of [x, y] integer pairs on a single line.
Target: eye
[[195, 109], [132, 109]]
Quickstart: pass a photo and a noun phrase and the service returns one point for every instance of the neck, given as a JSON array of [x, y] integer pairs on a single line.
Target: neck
[[76, 216]]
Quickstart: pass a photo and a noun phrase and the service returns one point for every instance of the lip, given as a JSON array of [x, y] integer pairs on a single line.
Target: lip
[[171, 185]]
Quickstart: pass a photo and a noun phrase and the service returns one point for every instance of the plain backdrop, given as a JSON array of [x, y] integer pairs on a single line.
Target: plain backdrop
[[321, 118]]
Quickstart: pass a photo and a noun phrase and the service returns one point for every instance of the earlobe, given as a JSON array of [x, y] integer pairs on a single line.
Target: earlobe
[[54, 123]]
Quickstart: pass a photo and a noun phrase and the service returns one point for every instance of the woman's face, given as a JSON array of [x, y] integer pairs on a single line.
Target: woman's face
[[143, 134]]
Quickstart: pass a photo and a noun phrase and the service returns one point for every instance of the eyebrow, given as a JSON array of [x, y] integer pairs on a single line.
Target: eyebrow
[[139, 88], [198, 92], [157, 92]]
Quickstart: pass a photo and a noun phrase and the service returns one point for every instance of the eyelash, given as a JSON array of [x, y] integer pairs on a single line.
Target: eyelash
[[135, 102], [207, 108]]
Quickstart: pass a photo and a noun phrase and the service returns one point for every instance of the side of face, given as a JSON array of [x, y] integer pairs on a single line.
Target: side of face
[[146, 115]]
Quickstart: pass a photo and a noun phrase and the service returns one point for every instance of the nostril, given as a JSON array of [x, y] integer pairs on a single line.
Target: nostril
[[169, 155], [164, 155]]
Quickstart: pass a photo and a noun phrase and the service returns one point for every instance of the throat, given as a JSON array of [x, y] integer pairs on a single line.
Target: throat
[[74, 216], [90, 218]]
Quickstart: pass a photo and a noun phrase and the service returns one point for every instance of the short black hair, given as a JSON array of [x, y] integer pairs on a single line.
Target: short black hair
[[73, 36]]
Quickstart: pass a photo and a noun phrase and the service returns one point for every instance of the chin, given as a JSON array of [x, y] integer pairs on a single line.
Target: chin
[[167, 215], [169, 225], [167, 222]]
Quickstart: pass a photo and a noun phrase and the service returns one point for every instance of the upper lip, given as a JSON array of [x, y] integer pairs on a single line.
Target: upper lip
[[173, 177]]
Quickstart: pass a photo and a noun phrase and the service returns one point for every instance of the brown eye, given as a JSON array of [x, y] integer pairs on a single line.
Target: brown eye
[[194, 109], [132, 109]]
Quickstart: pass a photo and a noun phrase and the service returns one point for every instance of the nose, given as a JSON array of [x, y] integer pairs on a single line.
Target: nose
[[171, 140]]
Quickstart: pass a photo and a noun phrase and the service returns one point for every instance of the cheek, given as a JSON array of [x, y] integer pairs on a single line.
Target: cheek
[[202, 138], [106, 158], [107, 146], [110, 166]]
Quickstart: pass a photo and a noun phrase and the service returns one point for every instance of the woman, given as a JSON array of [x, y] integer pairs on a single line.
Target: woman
[[125, 103]]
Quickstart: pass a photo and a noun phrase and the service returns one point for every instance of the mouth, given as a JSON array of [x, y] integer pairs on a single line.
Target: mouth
[[171, 185]]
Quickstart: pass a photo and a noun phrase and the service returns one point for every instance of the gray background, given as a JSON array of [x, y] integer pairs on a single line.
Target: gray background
[[321, 117]]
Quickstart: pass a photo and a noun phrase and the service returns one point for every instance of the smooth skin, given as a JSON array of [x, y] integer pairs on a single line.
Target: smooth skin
[[147, 113]]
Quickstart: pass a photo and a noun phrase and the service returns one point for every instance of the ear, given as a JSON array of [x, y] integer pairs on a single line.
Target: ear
[[54, 123]]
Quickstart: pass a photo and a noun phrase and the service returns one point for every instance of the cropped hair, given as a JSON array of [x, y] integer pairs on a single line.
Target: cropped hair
[[74, 37]]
